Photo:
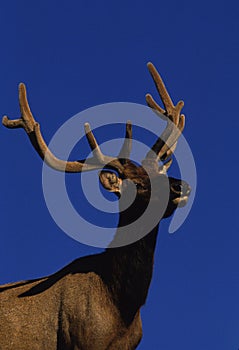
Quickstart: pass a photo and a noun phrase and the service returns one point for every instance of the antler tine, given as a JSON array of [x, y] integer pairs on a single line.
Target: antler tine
[[125, 149], [166, 99], [97, 154], [32, 128], [93, 144], [26, 121], [127, 145], [166, 143], [153, 104]]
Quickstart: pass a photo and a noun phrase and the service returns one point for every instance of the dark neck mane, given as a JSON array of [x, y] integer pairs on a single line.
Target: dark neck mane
[[129, 268]]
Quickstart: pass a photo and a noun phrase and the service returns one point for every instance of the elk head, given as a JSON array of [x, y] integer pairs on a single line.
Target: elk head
[[174, 191], [148, 181]]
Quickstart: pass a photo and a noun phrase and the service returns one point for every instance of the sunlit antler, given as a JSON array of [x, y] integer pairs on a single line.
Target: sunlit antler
[[32, 128], [166, 143], [161, 150], [127, 145]]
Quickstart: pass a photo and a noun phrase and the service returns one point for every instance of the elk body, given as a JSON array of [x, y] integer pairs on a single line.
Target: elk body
[[94, 302]]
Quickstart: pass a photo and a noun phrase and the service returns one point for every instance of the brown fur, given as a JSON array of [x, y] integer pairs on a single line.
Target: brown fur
[[92, 303], [72, 309]]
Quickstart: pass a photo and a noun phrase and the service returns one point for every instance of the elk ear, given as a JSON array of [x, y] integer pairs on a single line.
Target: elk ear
[[110, 181]]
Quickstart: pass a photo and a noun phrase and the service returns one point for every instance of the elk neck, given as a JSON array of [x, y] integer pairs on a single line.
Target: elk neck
[[130, 267]]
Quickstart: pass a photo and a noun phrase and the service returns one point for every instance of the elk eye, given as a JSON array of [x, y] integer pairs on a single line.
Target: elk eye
[[177, 187]]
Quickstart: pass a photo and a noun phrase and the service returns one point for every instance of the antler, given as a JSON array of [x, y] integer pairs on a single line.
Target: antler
[[32, 128], [166, 143], [127, 145]]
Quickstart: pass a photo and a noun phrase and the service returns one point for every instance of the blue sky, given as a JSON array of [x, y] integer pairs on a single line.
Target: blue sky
[[77, 54]]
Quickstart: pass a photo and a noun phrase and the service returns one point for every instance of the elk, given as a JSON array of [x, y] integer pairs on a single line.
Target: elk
[[94, 302]]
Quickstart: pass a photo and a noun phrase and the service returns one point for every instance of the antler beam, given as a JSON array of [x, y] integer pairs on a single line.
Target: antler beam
[[32, 128]]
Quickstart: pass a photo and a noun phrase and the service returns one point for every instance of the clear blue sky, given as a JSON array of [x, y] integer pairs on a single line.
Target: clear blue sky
[[77, 54]]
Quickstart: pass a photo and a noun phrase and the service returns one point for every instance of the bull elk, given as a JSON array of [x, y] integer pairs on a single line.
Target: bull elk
[[94, 302]]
